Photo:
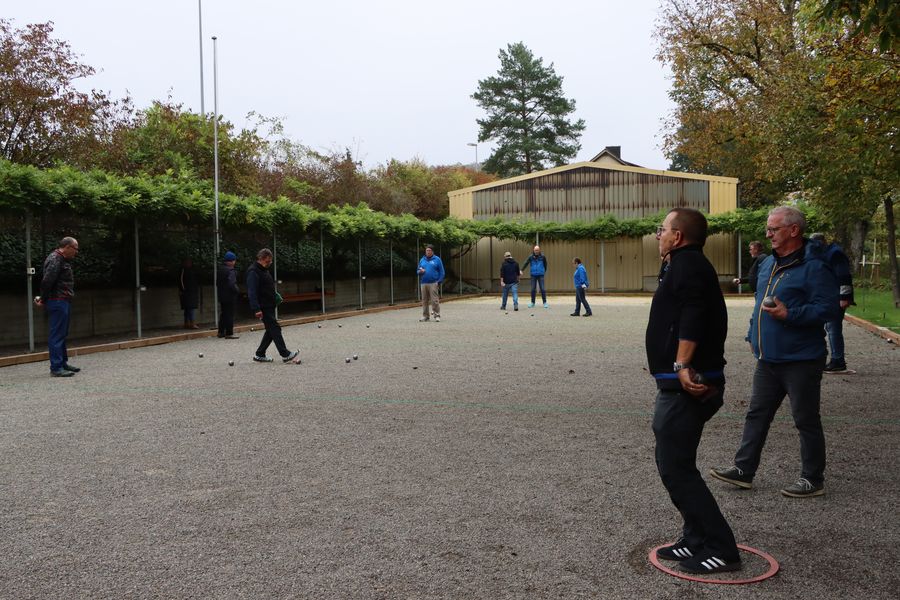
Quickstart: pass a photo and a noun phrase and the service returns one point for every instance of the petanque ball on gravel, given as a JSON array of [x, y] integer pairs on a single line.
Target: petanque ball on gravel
[[319, 326], [532, 314], [200, 355], [347, 359], [367, 325], [571, 371], [356, 357], [230, 363], [340, 326]]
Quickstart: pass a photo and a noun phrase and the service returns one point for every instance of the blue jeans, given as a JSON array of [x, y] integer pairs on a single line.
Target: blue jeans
[[58, 312], [535, 281], [835, 330], [188, 314], [581, 298], [801, 382], [678, 421], [514, 287]]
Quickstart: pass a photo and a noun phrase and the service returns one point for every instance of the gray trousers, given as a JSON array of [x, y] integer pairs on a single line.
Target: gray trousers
[[431, 296]]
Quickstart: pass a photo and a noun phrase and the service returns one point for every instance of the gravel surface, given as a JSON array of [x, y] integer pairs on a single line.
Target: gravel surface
[[491, 455]]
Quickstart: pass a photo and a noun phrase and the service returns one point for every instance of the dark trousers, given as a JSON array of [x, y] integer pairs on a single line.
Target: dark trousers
[[678, 425], [835, 331], [272, 334], [538, 280], [801, 382], [581, 298], [226, 318], [58, 313]]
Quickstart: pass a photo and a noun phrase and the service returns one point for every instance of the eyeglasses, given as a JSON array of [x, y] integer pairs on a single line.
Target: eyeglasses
[[660, 229], [772, 230]]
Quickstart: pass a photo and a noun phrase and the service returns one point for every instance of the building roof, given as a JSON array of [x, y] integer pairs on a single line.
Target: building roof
[[607, 166], [612, 155]]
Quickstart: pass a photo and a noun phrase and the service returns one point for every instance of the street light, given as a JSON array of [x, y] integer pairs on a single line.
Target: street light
[[474, 145]]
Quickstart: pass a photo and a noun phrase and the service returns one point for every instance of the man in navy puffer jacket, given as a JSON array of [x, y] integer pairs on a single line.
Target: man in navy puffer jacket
[[797, 294]]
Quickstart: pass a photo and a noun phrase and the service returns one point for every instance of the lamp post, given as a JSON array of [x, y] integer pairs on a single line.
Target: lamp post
[[200, 21], [216, 176], [474, 145]]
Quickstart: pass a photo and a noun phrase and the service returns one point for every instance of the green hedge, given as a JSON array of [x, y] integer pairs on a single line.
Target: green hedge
[[118, 200]]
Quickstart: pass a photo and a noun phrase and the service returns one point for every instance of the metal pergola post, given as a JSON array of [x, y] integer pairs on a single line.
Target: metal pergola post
[[739, 257], [216, 178], [391, 260], [322, 267], [416, 261], [490, 264], [441, 284], [29, 275], [359, 264], [275, 264], [137, 277], [603, 266], [460, 270]]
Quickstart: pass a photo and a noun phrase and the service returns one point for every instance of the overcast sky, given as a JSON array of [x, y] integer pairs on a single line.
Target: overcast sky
[[388, 79]]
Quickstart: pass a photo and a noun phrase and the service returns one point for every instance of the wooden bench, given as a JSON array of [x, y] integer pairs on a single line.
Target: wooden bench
[[305, 296]]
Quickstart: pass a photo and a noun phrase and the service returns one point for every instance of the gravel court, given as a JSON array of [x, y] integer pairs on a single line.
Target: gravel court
[[491, 455]]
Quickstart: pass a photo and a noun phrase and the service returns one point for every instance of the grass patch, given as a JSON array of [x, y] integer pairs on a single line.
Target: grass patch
[[876, 306]]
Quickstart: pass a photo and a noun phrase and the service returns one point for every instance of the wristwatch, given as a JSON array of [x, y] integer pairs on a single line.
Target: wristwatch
[[679, 366]]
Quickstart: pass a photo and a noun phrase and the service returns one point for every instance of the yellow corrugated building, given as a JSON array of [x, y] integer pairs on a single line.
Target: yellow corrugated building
[[605, 185]]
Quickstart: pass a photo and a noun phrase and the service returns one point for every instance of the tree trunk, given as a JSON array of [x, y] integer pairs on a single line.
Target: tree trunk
[[857, 243], [892, 248]]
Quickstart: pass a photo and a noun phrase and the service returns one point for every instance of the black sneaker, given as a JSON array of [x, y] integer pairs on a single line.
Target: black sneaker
[[836, 367], [62, 373], [574, 315], [803, 488], [263, 359], [678, 551], [706, 563], [72, 368], [588, 314], [516, 308], [290, 356], [734, 476]]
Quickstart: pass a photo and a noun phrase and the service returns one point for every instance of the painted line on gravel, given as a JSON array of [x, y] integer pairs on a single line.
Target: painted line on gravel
[[519, 408]]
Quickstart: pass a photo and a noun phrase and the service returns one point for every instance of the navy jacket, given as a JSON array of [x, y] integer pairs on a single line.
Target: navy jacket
[[807, 285], [509, 271], [260, 287]]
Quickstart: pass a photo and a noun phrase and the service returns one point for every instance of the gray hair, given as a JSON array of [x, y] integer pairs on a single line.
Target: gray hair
[[264, 253], [818, 236], [67, 241], [790, 216]]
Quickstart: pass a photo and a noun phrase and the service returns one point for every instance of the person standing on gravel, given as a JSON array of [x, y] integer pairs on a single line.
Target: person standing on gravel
[[580, 280], [756, 251], [227, 289], [685, 343], [57, 291], [262, 295], [509, 280], [537, 262], [839, 262], [798, 294], [431, 275]]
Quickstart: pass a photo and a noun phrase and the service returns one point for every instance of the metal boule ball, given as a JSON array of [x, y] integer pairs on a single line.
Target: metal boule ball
[[347, 359], [356, 357], [700, 379], [230, 363], [200, 355], [769, 302]]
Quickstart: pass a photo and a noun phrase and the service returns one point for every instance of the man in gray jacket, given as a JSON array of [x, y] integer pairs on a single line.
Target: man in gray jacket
[[57, 291]]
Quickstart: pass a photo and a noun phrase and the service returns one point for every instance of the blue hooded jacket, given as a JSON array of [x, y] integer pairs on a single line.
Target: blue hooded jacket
[[580, 276], [808, 287], [434, 270], [538, 264]]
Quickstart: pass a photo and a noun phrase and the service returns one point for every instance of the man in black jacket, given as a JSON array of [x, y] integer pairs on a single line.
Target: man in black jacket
[[686, 353], [756, 251], [57, 291], [262, 296], [509, 280], [227, 289]]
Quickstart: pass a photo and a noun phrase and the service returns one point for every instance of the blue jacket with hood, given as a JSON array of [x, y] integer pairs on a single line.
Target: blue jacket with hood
[[538, 264], [580, 276], [807, 286], [434, 270]]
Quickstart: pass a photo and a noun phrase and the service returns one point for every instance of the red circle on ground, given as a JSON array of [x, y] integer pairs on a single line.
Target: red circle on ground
[[773, 568]]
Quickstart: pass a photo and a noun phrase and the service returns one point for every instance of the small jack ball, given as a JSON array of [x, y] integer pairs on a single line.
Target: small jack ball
[[340, 325], [230, 363], [347, 359], [319, 326], [200, 355], [356, 357], [769, 302], [367, 325]]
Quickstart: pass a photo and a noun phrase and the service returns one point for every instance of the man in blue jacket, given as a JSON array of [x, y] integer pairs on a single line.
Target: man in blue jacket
[[835, 256], [581, 284], [431, 275], [538, 264], [797, 295]]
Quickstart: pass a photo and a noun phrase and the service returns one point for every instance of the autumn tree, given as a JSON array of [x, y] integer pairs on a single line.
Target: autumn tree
[[527, 115], [43, 117]]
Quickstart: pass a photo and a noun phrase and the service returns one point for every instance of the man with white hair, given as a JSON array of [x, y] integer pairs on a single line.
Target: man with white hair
[[797, 295]]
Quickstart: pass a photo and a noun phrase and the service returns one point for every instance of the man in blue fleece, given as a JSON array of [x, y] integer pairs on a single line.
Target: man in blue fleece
[[787, 337], [581, 284], [538, 264], [431, 275]]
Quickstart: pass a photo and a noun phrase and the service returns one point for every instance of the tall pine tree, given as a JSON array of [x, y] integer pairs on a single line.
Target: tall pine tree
[[527, 115]]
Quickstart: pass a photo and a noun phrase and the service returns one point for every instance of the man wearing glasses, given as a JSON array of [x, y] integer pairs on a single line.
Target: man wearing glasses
[[797, 295]]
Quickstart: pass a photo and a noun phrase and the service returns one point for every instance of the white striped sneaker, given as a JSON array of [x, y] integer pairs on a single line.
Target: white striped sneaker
[[677, 551], [706, 563]]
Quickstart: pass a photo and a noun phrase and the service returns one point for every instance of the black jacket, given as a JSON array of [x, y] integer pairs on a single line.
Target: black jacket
[[509, 271], [58, 280], [188, 288], [688, 304], [226, 284], [260, 287], [754, 272]]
